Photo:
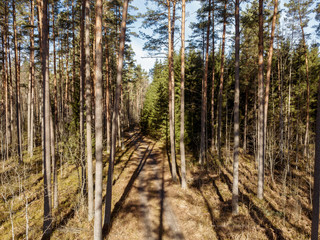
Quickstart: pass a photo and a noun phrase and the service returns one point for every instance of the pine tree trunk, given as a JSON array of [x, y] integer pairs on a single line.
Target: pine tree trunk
[[182, 146], [260, 129], [82, 78], [17, 76], [212, 87], [88, 111], [46, 124], [203, 144], [245, 122], [98, 124], [32, 73], [5, 83], [221, 76], [269, 65], [316, 175], [235, 190], [115, 114], [171, 95], [54, 126], [107, 95], [306, 138]]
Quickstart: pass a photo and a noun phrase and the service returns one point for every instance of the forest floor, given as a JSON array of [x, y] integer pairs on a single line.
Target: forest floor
[[147, 204]]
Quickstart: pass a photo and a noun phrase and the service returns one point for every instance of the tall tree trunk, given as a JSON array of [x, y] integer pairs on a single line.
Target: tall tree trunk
[[82, 78], [235, 190], [98, 123], [182, 147], [31, 90], [46, 123], [203, 144], [5, 83], [221, 76], [245, 122], [212, 87], [107, 95], [54, 126], [17, 76], [115, 115], [171, 94], [316, 175], [260, 129], [269, 64], [88, 111], [306, 138]]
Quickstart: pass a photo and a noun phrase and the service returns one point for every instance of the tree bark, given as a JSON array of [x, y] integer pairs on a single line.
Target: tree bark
[[203, 143], [82, 78], [5, 83], [98, 123], [316, 175], [46, 124], [88, 111], [54, 126], [221, 76], [115, 115], [182, 146], [171, 94], [235, 190], [107, 95], [212, 87], [260, 129], [269, 65], [17, 76]]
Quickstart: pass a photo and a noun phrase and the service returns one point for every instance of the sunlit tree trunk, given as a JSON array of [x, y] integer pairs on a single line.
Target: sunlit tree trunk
[[98, 123], [115, 114], [269, 64], [171, 94], [88, 111], [82, 78], [260, 153], [235, 190], [203, 143], [17, 76], [221, 76], [212, 87], [182, 146], [46, 123]]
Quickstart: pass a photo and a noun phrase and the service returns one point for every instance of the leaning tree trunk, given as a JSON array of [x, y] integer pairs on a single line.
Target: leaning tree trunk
[[182, 146], [260, 129], [221, 76], [115, 114]]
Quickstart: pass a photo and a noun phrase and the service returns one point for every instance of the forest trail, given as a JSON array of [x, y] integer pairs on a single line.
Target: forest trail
[[147, 202]]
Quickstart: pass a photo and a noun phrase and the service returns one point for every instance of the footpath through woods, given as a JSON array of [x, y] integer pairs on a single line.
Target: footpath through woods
[[147, 204]]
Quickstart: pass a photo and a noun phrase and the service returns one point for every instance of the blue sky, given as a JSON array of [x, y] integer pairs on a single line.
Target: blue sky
[[191, 8]]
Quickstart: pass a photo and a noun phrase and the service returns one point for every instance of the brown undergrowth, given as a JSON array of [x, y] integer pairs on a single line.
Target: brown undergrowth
[[146, 201]]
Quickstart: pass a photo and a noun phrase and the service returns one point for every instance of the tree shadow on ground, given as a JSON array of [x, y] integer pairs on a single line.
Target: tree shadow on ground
[[118, 206]]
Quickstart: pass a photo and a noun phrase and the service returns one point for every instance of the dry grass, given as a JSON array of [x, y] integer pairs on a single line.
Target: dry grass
[[203, 211]]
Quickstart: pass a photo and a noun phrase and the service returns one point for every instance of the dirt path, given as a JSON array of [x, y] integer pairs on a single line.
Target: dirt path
[[146, 211]]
